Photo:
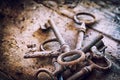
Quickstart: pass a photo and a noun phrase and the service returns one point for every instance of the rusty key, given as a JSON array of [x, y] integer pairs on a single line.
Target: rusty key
[[59, 36]]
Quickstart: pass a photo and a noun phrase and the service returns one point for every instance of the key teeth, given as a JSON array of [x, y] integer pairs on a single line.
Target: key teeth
[[45, 27]]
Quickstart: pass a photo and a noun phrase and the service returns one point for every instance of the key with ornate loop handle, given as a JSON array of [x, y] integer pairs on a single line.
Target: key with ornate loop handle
[[82, 28], [78, 18]]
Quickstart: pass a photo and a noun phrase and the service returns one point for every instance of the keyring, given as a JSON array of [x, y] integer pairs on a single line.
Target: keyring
[[47, 41], [61, 57], [87, 22], [43, 70]]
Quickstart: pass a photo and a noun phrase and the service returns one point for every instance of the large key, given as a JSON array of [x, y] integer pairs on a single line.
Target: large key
[[59, 37]]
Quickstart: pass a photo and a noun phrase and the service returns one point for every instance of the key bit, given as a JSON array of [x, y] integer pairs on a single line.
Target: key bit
[[45, 27]]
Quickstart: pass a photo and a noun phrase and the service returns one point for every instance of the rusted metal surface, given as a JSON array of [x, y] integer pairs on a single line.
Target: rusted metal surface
[[42, 54]]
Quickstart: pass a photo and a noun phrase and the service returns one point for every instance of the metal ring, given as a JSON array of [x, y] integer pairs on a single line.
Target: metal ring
[[44, 70], [45, 42], [62, 56], [109, 64], [85, 21]]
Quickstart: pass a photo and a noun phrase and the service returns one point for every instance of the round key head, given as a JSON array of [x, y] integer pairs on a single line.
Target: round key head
[[61, 57], [87, 18], [101, 63], [43, 70]]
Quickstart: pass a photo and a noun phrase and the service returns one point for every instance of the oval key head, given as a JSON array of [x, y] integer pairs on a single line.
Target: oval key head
[[87, 18], [101, 63], [43, 70], [61, 57]]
